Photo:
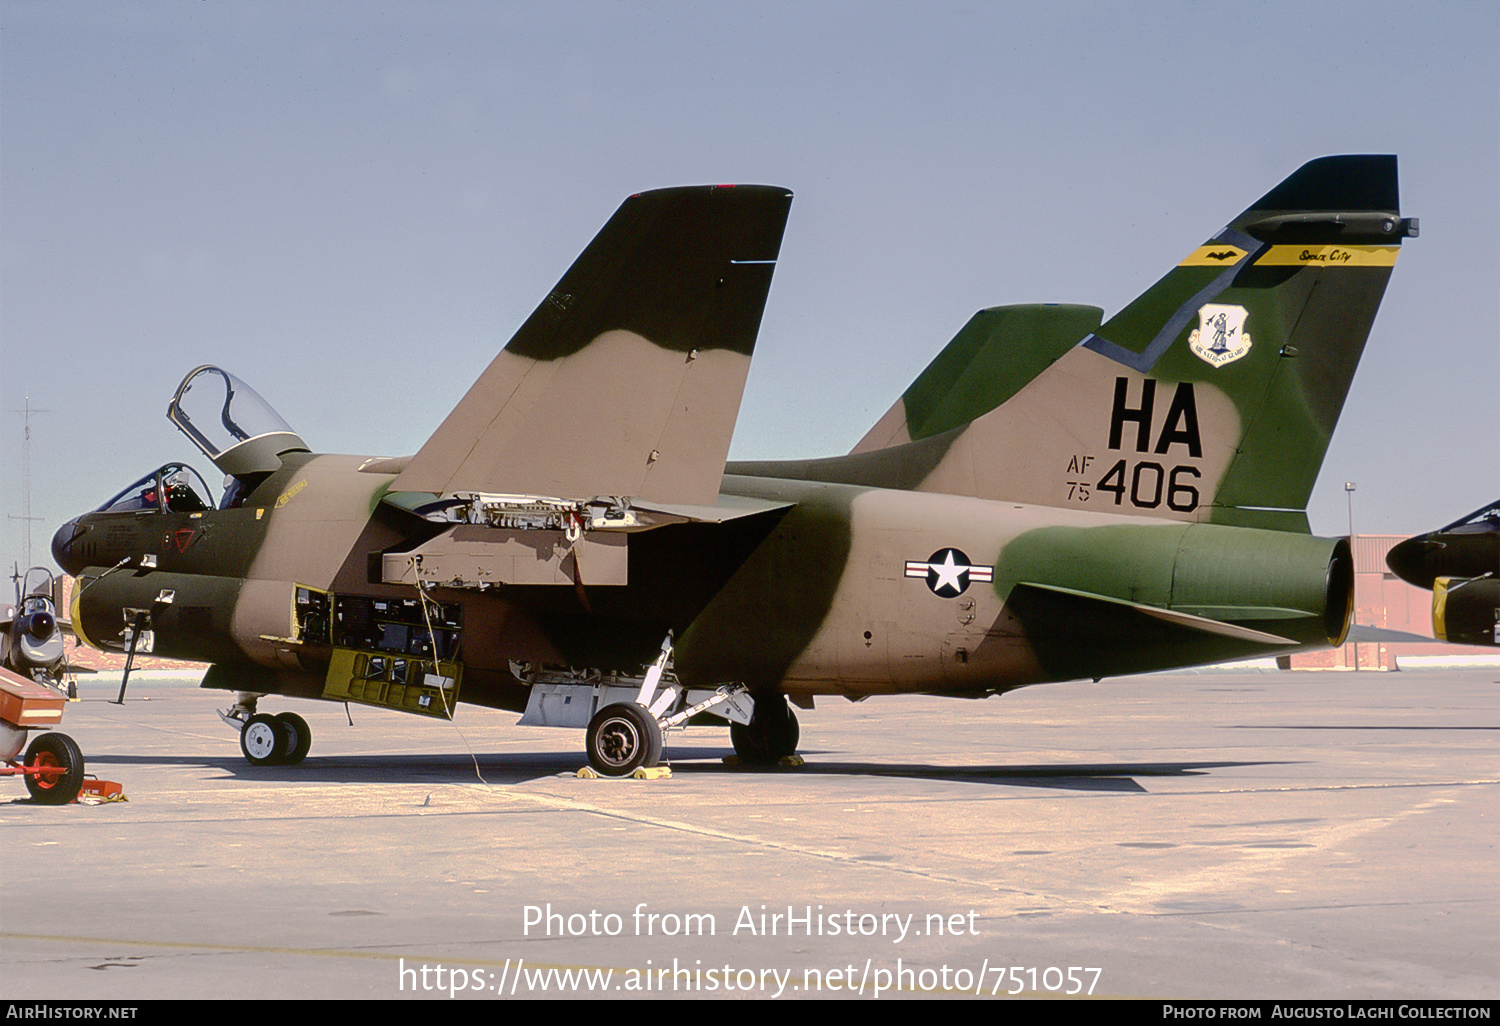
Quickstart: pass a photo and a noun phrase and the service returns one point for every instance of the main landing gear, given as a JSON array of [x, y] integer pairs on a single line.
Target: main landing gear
[[623, 738], [265, 740], [770, 736], [626, 717]]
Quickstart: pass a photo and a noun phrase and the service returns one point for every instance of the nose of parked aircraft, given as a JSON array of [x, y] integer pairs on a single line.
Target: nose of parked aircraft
[[1408, 560], [39, 626]]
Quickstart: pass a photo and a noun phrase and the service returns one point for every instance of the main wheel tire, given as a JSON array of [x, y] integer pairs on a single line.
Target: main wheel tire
[[262, 740], [623, 738], [296, 737], [57, 751], [770, 736]]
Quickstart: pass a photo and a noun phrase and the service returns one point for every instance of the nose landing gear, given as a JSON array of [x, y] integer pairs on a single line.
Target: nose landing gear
[[265, 740]]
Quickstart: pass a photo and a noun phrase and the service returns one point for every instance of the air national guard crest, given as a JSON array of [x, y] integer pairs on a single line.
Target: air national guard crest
[[1220, 337]]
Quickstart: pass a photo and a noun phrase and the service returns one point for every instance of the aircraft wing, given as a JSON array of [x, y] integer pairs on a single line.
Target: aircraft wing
[[626, 380]]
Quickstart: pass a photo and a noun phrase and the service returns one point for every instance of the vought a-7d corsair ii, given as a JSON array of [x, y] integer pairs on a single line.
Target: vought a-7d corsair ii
[[1060, 498]]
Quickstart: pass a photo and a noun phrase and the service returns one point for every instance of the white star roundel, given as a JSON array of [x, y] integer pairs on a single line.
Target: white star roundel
[[949, 573]]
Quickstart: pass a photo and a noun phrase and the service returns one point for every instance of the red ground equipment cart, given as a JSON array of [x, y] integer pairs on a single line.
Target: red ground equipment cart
[[53, 764]]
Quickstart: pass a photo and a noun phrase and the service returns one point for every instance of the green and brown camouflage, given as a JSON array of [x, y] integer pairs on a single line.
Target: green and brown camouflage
[[1053, 498], [1211, 397], [996, 353]]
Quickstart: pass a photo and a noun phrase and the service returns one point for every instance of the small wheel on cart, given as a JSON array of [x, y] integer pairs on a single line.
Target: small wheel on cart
[[262, 740], [623, 738], [296, 737], [61, 760]]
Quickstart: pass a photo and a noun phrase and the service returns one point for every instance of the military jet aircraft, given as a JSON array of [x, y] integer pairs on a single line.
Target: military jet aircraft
[[570, 545], [1460, 564], [32, 638]]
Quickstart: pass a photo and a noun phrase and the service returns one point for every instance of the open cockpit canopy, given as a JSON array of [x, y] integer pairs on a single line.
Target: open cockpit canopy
[[231, 423]]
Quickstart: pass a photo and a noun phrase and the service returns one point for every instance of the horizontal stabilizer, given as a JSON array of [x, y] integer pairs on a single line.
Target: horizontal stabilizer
[[1181, 619], [626, 380], [1076, 634], [1362, 633]]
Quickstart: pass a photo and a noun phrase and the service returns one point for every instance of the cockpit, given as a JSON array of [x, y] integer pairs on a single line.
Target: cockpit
[[174, 488], [233, 426], [1485, 520]]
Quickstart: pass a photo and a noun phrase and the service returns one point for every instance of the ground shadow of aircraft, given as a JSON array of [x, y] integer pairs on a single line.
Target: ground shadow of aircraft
[[458, 768]]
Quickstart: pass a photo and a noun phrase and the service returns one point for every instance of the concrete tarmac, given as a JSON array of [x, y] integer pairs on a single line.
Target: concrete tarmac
[[1250, 835]]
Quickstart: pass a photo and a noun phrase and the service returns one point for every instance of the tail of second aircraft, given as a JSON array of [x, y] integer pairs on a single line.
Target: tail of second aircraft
[[1212, 396]]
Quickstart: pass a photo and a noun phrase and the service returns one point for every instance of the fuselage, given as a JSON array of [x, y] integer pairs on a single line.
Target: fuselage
[[852, 590]]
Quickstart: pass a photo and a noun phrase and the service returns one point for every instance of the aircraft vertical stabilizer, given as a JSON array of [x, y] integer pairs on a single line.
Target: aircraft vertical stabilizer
[[1211, 397]]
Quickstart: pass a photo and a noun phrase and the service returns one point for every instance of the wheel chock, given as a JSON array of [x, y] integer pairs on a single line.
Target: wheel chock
[[643, 773], [103, 790], [791, 761]]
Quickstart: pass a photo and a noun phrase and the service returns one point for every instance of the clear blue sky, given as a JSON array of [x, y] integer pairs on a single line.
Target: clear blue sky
[[353, 205]]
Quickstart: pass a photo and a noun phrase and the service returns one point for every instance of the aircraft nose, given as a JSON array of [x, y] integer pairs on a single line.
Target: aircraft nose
[[62, 547], [40, 626], [1408, 561]]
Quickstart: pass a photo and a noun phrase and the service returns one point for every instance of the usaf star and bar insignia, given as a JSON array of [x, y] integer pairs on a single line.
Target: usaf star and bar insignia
[[949, 573]]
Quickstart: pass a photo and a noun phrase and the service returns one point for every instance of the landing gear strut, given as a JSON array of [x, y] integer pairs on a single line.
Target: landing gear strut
[[626, 716], [770, 736]]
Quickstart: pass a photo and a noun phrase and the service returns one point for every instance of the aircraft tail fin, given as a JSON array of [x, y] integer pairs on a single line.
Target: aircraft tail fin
[[991, 357], [626, 380], [1266, 323], [1211, 397]]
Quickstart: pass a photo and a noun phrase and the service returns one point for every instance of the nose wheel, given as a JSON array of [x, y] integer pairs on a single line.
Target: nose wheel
[[280, 740]]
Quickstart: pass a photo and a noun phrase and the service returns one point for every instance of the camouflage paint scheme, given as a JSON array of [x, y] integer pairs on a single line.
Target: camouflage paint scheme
[[1054, 498]]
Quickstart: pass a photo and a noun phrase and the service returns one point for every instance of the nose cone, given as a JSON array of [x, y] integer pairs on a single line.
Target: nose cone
[[40, 625], [1409, 560], [62, 547]]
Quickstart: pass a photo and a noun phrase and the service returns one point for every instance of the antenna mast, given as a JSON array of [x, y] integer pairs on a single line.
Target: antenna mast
[[26, 473]]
